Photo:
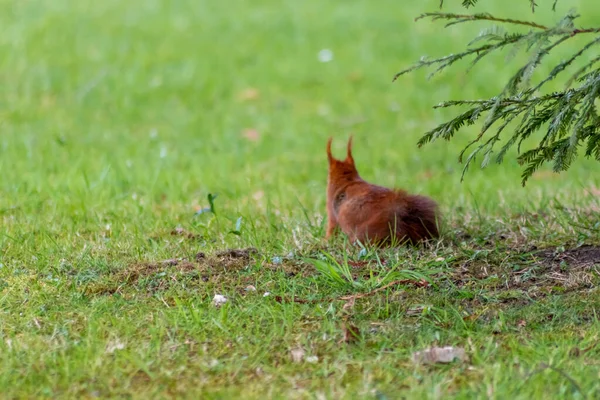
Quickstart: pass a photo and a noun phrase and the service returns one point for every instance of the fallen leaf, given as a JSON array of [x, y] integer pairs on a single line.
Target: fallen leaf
[[250, 288], [248, 94], [251, 134], [471, 317], [420, 283], [297, 354], [522, 323], [258, 195], [355, 76], [594, 191], [427, 174], [349, 304], [358, 264], [443, 355], [351, 333]]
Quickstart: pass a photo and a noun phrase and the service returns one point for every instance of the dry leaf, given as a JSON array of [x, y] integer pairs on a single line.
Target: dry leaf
[[248, 94], [349, 304], [522, 323], [594, 191], [427, 174], [471, 317], [351, 333], [251, 134], [355, 76], [297, 354], [258, 195], [435, 355]]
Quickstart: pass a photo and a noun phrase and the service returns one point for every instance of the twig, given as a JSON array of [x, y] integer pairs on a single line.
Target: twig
[[588, 30], [480, 17]]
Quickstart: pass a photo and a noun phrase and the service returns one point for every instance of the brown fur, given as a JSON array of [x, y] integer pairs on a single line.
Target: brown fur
[[374, 214]]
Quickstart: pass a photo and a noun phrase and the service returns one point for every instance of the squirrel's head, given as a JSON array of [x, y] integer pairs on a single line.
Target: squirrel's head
[[341, 171]]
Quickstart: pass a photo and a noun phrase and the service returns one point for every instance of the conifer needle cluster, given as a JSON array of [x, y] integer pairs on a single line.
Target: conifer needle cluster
[[568, 119]]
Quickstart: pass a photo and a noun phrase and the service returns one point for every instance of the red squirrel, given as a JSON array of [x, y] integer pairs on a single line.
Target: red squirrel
[[374, 214]]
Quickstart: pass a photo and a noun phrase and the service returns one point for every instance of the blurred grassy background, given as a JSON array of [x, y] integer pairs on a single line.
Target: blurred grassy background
[[103, 100]]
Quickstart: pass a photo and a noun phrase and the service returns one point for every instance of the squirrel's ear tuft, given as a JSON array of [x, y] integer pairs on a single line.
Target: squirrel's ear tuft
[[349, 152], [329, 155]]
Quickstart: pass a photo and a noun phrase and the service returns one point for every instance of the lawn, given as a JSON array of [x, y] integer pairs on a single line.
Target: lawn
[[155, 154]]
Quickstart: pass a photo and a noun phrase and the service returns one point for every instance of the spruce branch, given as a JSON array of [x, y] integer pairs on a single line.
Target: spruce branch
[[566, 119], [444, 62], [471, 3], [458, 18]]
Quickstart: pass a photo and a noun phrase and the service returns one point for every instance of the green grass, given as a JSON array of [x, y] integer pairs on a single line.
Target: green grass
[[118, 119]]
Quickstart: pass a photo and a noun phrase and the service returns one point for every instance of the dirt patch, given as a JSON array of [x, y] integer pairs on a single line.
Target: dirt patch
[[186, 234], [237, 253], [231, 267], [529, 274], [579, 257], [137, 271], [155, 276], [569, 269]]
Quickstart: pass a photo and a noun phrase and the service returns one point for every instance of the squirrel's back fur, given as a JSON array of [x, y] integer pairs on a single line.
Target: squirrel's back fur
[[374, 214]]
